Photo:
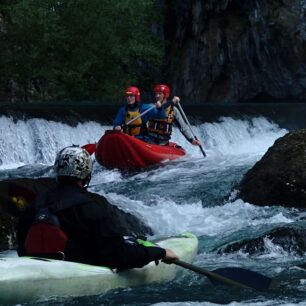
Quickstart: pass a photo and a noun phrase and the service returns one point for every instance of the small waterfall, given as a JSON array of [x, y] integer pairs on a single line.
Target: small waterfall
[[38, 140]]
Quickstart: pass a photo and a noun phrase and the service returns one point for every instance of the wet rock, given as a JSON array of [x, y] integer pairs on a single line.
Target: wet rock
[[235, 50], [7, 231], [279, 178], [290, 240], [126, 223]]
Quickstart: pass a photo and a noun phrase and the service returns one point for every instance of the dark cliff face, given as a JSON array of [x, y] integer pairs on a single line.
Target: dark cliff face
[[237, 50]]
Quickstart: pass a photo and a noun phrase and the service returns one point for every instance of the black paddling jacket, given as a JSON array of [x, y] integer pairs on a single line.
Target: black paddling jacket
[[92, 234]]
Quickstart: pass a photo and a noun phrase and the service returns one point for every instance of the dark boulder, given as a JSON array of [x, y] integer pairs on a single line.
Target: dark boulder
[[279, 178], [290, 240], [7, 231]]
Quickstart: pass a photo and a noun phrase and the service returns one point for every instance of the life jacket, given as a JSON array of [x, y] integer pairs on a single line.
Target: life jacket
[[45, 237], [162, 127], [133, 128]]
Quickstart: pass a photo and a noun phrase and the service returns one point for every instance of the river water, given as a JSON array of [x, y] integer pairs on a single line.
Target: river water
[[191, 194]]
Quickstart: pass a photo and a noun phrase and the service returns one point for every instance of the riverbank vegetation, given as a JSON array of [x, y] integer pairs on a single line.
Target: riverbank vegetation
[[77, 49]]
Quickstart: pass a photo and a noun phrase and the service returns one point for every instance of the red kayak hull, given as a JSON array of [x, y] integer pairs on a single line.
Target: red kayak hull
[[124, 152]]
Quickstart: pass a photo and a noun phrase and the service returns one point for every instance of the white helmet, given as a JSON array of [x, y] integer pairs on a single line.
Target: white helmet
[[73, 161]]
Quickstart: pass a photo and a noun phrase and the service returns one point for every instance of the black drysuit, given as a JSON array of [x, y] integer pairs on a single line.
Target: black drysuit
[[92, 234]]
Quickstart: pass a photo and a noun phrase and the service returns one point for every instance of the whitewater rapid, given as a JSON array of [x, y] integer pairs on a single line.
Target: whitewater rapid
[[32, 141], [193, 194]]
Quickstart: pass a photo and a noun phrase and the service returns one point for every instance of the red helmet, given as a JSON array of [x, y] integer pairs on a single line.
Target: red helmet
[[132, 90], [163, 89]]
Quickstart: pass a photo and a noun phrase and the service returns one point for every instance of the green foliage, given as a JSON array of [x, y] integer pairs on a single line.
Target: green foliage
[[77, 49]]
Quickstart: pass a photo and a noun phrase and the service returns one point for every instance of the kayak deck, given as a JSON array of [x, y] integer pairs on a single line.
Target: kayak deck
[[38, 278]]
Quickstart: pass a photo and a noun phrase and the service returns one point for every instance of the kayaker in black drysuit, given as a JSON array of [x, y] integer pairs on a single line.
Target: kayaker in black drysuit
[[64, 223]]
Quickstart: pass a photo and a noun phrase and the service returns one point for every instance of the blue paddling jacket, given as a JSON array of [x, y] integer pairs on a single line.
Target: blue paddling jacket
[[138, 126]]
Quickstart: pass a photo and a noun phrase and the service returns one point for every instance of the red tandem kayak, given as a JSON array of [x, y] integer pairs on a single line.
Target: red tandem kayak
[[124, 152]]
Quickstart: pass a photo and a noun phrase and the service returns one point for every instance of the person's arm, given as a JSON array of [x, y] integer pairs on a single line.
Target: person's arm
[[183, 127], [158, 112], [116, 251], [193, 140], [170, 257], [137, 256], [119, 119]]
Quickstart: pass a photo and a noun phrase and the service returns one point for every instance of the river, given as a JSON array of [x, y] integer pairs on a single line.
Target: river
[[192, 194]]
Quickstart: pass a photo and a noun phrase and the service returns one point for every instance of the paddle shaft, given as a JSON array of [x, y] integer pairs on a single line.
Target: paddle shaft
[[187, 121], [146, 111], [209, 274], [140, 115]]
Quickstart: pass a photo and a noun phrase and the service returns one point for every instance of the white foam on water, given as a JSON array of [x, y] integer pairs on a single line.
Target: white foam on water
[[37, 140], [166, 217], [237, 136]]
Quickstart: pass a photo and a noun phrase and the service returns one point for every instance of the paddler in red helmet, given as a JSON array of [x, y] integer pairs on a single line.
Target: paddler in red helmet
[[160, 129], [132, 110]]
